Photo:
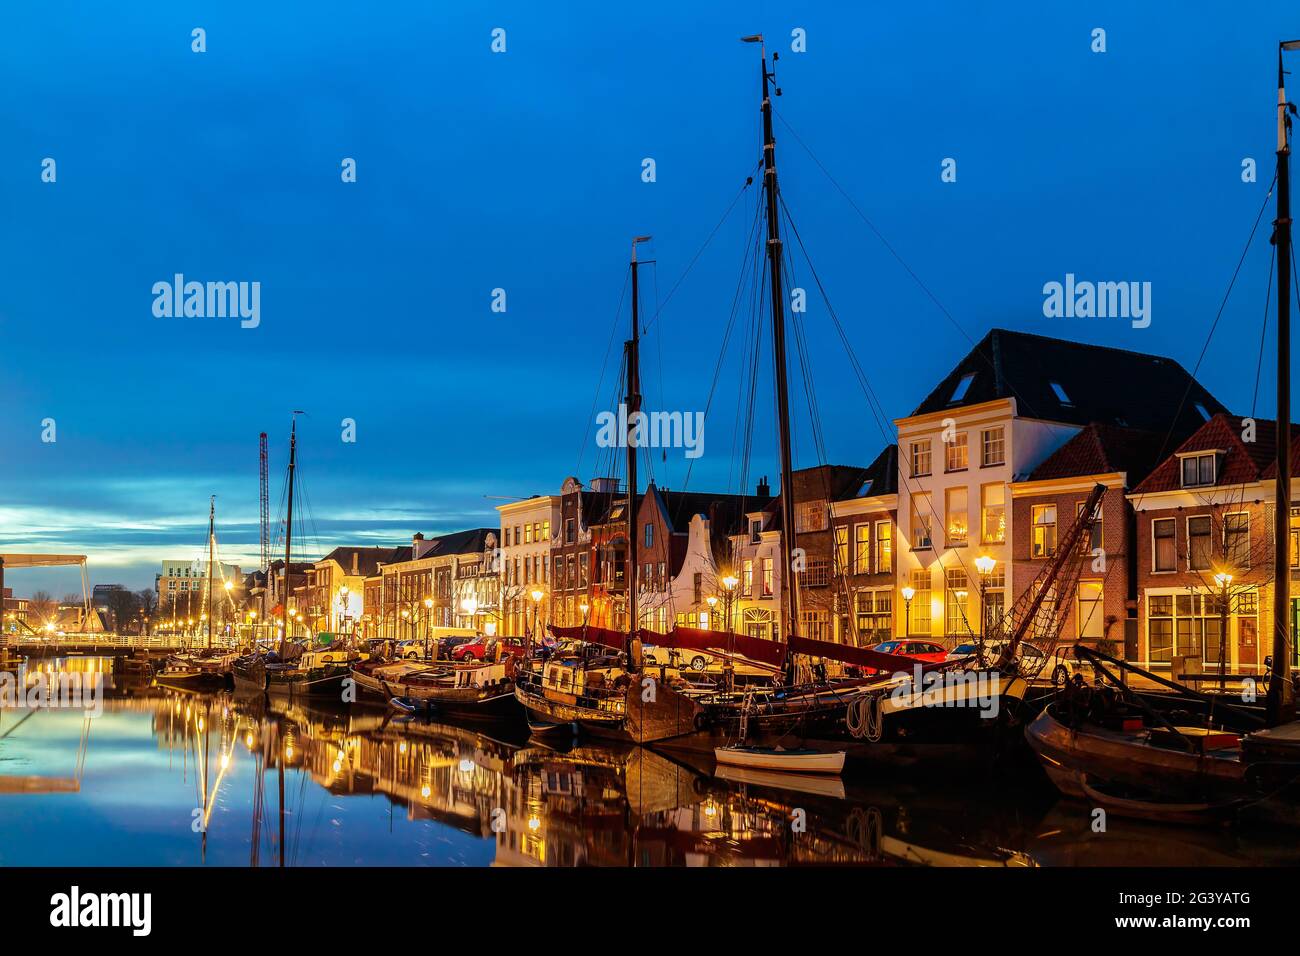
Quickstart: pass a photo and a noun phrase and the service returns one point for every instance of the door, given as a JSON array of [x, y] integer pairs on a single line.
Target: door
[[1247, 644]]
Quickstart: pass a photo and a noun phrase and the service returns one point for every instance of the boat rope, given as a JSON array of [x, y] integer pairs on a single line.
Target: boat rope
[[865, 717]]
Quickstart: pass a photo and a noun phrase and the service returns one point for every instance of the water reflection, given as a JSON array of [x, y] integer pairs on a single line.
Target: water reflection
[[171, 778]]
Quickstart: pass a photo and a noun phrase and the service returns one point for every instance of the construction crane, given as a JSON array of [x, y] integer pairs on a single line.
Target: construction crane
[[264, 472]]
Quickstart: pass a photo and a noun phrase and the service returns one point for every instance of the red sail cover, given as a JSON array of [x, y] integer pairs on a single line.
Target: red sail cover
[[862, 656], [592, 635], [694, 638]]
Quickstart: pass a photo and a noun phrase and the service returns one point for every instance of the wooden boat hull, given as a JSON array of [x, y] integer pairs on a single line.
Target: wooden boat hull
[[493, 702], [909, 731], [500, 705], [1126, 773], [547, 715], [321, 682], [191, 679], [784, 761]]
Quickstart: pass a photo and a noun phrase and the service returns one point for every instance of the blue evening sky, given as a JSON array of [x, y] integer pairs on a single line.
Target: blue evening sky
[[522, 171]]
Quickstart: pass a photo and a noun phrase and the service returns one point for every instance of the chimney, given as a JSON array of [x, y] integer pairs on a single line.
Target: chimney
[[415, 545], [355, 566], [763, 490]]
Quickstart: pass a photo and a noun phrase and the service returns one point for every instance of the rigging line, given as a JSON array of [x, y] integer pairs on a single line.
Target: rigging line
[[1191, 378], [752, 344], [880, 416], [839, 563], [892, 251], [604, 365], [722, 351], [1263, 330], [659, 354], [740, 192]]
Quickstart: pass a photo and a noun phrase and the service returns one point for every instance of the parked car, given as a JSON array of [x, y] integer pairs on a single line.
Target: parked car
[[482, 647], [962, 651], [1030, 658], [917, 650], [1063, 665]]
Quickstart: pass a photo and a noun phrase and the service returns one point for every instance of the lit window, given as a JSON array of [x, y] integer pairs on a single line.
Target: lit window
[[994, 510], [884, 548], [1044, 529], [921, 521], [955, 513]]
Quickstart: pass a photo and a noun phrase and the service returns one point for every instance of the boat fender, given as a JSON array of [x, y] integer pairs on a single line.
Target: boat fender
[[702, 721]]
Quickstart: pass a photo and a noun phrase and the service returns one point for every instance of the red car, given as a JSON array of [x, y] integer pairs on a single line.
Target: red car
[[479, 647], [917, 650]]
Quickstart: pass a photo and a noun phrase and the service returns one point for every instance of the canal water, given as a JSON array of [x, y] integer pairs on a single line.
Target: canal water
[[167, 778]]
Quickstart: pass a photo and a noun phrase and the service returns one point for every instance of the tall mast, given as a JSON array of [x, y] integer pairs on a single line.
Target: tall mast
[[288, 535], [1281, 694], [789, 591], [212, 547], [633, 410]]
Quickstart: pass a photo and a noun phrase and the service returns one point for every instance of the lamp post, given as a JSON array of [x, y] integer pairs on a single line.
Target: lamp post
[[343, 605], [428, 612], [712, 602], [984, 564], [406, 619], [537, 596], [729, 582], [1223, 579], [908, 594]]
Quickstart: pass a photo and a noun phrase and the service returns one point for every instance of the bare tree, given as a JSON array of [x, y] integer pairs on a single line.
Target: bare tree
[[122, 605], [1229, 551], [148, 602], [42, 607]]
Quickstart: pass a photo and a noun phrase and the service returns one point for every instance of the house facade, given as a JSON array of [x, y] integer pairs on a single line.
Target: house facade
[[528, 532], [1204, 535], [1011, 403]]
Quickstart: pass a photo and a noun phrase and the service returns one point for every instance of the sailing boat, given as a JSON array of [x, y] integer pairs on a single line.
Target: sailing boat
[[294, 669], [1125, 751], [210, 666], [566, 693]]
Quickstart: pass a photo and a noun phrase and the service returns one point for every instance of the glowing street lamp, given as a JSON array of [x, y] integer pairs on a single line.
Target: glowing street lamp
[[536, 594], [908, 594]]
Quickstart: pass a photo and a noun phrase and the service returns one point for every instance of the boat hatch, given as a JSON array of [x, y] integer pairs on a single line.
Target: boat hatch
[[1202, 740]]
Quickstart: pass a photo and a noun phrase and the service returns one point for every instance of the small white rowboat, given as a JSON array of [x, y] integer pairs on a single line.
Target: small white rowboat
[[776, 758]]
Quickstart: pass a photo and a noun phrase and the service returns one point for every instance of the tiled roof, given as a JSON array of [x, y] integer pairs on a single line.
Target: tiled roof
[[1099, 384], [1243, 461], [368, 558], [473, 541], [1102, 450]]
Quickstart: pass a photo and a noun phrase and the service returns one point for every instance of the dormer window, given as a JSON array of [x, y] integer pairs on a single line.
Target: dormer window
[[1200, 469], [962, 388], [1061, 396]]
